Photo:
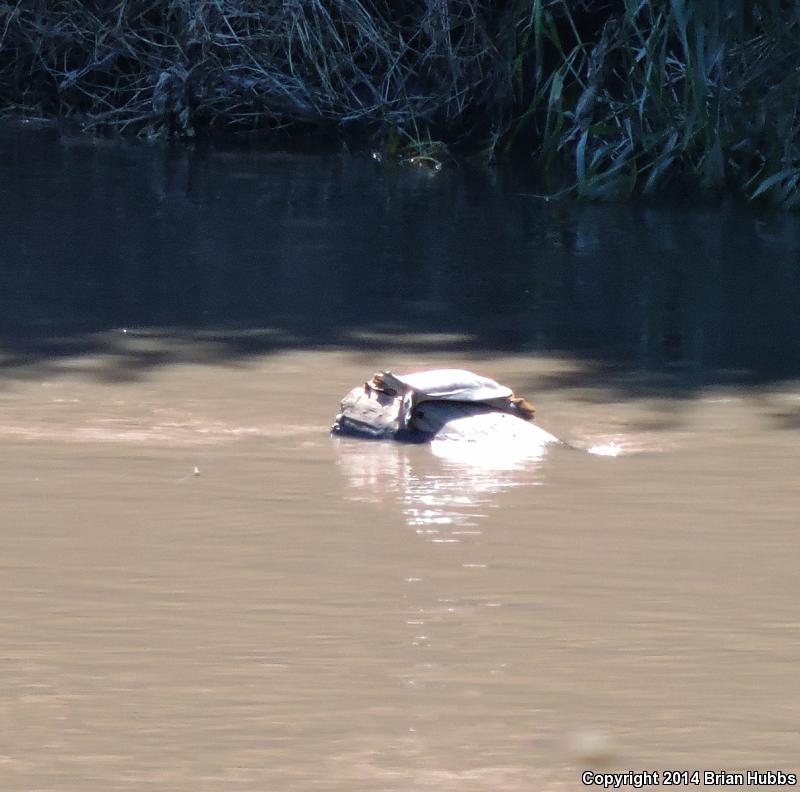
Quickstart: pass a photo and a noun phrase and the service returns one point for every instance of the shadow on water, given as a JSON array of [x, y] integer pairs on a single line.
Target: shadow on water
[[217, 255]]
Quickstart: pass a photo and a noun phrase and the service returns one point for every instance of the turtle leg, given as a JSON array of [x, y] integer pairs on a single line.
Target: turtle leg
[[408, 406], [523, 407]]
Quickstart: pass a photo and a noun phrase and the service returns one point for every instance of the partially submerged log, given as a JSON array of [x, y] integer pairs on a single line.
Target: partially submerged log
[[367, 412], [376, 410]]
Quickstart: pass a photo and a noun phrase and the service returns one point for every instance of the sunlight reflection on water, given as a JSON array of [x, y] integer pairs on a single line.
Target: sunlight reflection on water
[[442, 495], [607, 449]]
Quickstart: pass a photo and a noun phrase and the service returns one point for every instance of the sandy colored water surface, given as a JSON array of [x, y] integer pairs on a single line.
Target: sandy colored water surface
[[201, 590]]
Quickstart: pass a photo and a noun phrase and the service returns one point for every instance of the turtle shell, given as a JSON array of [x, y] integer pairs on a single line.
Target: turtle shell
[[450, 385]]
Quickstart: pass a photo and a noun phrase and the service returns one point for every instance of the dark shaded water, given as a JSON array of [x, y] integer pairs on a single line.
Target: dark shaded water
[[200, 590], [100, 235]]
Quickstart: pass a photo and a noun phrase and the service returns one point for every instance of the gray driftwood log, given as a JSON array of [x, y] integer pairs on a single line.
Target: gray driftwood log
[[447, 404]]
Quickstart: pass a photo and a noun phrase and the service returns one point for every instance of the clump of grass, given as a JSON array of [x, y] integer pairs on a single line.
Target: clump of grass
[[669, 90], [182, 66]]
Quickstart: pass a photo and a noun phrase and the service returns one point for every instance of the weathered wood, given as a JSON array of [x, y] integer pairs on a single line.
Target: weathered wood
[[371, 413], [476, 424]]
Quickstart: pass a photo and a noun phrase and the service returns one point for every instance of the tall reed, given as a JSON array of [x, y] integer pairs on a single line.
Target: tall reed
[[704, 93]]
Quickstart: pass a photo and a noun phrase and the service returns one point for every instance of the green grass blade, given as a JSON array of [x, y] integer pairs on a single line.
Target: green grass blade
[[771, 181]]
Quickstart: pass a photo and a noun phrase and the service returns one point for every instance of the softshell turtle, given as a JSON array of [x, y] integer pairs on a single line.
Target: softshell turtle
[[448, 385], [442, 404], [445, 385]]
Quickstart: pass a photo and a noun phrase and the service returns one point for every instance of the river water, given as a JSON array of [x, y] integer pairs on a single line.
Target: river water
[[200, 589]]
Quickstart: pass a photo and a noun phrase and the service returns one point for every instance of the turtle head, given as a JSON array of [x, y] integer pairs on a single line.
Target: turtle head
[[387, 382]]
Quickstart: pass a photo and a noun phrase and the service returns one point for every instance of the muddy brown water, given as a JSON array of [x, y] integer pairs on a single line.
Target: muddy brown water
[[202, 590]]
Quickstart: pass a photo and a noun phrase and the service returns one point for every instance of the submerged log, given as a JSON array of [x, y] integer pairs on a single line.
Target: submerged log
[[376, 414], [367, 412], [470, 423]]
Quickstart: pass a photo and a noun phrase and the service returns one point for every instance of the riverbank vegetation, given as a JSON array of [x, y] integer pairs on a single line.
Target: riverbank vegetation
[[610, 98]]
